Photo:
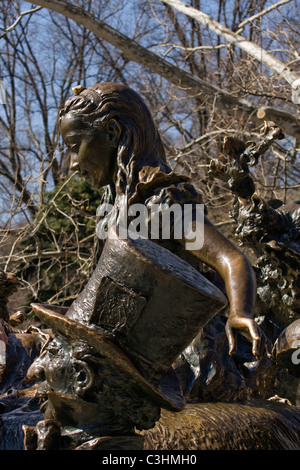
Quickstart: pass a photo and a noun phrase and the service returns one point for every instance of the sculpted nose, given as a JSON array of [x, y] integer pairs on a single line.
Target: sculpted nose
[[74, 166], [36, 371]]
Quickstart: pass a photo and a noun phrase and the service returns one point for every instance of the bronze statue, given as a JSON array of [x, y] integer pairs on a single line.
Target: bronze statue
[[145, 301], [113, 141], [108, 364]]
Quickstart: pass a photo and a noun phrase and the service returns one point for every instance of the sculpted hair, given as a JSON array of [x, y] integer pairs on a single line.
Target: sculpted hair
[[140, 144]]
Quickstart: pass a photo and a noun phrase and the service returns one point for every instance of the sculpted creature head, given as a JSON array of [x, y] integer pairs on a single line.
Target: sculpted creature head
[[258, 222], [79, 387]]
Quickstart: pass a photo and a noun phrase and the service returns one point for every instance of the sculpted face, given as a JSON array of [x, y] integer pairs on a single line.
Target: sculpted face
[[58, 370], [92, 152]]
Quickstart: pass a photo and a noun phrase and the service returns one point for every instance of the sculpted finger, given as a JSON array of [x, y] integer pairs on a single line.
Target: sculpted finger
[[261, 343], [256, 347], [258, 342], [231, 338]]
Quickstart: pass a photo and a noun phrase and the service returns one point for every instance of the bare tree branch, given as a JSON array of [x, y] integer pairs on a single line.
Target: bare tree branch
[[235, 39], [260, 14], [192, 85], [24, 13]]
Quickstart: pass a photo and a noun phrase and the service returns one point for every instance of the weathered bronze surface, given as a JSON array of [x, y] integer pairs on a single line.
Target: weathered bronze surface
[[154, 329], [271, 230], [227, 426]]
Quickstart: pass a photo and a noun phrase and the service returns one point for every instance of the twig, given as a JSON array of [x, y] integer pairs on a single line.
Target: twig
[[28, 12], [260, 14], [52, 202]]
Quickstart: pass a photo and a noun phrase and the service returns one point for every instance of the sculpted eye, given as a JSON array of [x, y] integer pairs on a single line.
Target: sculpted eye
[[74, 147], [52, 349]]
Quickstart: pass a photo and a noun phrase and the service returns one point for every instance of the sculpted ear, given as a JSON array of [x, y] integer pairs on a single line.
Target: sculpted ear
[[256, 200], [259, 203], [114, 131], [83, 377]]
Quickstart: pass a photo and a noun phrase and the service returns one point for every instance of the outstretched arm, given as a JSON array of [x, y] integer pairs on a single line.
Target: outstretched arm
[[240, 283]]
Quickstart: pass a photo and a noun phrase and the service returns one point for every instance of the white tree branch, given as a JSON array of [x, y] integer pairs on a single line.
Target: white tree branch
[[235, 39], [24, 13], [260, 14]]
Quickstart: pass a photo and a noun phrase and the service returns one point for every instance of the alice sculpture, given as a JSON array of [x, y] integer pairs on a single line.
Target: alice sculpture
[[107, 368]]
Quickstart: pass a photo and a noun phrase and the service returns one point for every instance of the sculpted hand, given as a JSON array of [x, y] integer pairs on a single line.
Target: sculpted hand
[[250, 329]]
